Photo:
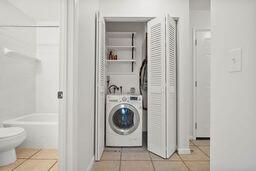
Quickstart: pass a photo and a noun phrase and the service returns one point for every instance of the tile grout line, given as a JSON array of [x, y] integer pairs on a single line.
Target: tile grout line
[[26, 159], [137, 160], [196, 160], [35, 153], [151, 161], [178, 155], [51, 159], [52, 165], [183, 162], [120, 162], [203, 151], [40, 158], [30, 159], [192, 142], [20, 164]]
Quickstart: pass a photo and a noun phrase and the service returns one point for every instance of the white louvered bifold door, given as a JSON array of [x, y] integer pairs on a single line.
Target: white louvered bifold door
[[100, 88], [171, 85], [156, 87]]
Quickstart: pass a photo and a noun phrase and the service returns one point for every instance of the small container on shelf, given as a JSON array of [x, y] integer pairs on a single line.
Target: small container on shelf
[[115, 57], [112, 55]]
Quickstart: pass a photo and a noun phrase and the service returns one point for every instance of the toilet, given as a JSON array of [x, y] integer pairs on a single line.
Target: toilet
[[10, 138]]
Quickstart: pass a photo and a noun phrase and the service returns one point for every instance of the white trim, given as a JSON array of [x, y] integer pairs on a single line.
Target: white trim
[[89, 168], [195, 77], [146, 19], [184, 151], [63, 87], [127, 19], [68, 81]]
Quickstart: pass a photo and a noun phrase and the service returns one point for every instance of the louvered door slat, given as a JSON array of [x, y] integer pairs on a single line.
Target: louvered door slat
[[100, 88], [156, 87], [171, 85]]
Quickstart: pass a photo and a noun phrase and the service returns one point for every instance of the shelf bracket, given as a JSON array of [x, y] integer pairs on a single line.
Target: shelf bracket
[[132, 50]]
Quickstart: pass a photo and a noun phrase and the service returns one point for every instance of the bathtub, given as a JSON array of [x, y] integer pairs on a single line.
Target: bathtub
[[41, 128]]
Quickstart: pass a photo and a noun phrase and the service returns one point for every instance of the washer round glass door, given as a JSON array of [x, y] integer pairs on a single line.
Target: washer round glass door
[[124, 119]]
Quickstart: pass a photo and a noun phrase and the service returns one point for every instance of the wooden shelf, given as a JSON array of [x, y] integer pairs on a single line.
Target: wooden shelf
[[120, 34], [120, 47], [121, 73], [126, 43]]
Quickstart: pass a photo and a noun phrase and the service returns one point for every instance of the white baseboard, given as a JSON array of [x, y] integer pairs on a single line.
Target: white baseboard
[[184, 151], [192, 137], [89, 168]]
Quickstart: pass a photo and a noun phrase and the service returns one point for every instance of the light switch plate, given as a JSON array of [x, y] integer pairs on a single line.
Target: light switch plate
[[235, 60]]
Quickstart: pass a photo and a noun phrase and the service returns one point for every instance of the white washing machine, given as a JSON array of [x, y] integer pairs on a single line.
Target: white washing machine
[[124, 120]]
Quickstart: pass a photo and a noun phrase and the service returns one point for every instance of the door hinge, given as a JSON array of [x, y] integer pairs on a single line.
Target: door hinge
[[195, 125], [196, 42], [195, 83], [60, 94]]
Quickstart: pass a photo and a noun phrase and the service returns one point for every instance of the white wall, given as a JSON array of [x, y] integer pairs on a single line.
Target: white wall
[[199, 18], [177, 8], [200, 5], [233, 94], [14, 15], [39, 10], [47, 74], [85, 90], [26, 12]]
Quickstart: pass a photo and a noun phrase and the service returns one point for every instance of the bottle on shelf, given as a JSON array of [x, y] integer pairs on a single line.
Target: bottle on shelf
[[112, 55], [115, 57]]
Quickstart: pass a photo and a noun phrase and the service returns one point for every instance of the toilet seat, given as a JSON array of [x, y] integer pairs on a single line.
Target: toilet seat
[[10, 132]]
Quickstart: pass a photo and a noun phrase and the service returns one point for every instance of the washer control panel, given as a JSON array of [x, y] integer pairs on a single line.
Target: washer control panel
[[134, 98], [124, 98], [131, 98]]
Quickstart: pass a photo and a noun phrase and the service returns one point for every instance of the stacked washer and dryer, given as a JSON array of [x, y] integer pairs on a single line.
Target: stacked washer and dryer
[[124, 120]]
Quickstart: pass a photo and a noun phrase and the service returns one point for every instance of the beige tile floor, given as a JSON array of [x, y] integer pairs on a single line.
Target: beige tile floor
[[118, 159], [139, 159], [34, 160]]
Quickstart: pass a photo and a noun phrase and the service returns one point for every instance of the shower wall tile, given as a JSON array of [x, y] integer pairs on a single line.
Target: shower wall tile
[[17, 72], [17, 88]]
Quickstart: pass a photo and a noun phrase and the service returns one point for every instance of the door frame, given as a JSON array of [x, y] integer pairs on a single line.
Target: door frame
[[145, 19], [68, 83], [195, 30], [107, 19]]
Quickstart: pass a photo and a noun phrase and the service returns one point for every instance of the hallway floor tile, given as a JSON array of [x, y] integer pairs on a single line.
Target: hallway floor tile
[[139, 159]]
